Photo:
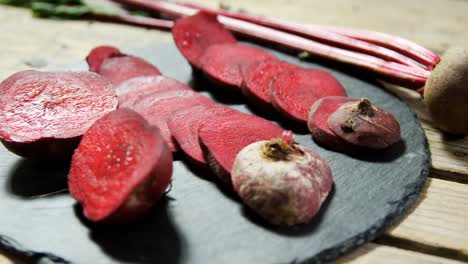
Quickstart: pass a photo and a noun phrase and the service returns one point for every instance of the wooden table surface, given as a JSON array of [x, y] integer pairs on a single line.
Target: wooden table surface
[[436, 231]]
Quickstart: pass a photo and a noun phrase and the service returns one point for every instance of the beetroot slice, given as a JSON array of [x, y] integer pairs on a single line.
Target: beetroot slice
[[185, 123], [223, 136], [120, 69], [97, 55], [43, 114], [295, 91], [257, 80], [134, 89], [121, 167], [318, 121], [194, 34], [225, 63], [158, 107], [365, 125]]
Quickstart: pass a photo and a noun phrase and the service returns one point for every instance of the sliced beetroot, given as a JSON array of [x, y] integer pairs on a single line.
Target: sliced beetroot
[[365, 125], [225, 63], [194, 34], [318, 121], [121, 68], [97, 55], [295, 91], [258, 77], [158, 107], [185, 124], [134, 89], [44, 114], [223, 136], [121, 168]]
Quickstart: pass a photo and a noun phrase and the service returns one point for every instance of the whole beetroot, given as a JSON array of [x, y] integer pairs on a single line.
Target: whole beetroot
[[365, 125], [281, 181]]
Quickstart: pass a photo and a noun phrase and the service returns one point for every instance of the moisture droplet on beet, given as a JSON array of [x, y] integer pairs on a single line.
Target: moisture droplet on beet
[[121, 168]]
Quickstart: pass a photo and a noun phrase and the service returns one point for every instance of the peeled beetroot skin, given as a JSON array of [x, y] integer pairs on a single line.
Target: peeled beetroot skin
[[97, 55], [158, 107], [225, 63], [257, 79], [295, 91], [194, 34], [223, 136], [283, 182], [365, 125], [185, 124], [44, 114], [318, 121], [134, 89], [120, 169], [121, 68]]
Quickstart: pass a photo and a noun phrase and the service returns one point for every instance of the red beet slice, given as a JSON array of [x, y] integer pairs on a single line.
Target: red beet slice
[[223, 136], [365, 125], [257, 80], [158, 107], [318, 121], [185, 123], [295, 91], [225, 63], [44, 114], [134, 89], [194, 34], [119, 69], [121, 168], [97, 55]]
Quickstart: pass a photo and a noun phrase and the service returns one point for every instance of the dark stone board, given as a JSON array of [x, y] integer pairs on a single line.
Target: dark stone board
[[201, 222]]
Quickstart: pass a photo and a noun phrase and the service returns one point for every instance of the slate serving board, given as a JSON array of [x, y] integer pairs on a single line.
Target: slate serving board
[[200, 221]]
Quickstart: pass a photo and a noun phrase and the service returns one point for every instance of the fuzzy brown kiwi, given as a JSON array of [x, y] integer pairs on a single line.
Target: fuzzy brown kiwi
[[446, 92]]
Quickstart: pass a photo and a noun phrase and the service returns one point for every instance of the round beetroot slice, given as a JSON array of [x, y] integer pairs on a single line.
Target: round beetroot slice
[[295, 91], [158, 107], [134, 89], [119, 69], [121, 167], [365, 125], [194, 34], [97, 55], [185, 123], [318, 121], [43, 114], [223, 136], [225, 63], [257, 79]]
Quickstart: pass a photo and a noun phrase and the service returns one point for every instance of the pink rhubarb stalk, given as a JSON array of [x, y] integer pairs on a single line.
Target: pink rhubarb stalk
[[398, 73], [329, 36]]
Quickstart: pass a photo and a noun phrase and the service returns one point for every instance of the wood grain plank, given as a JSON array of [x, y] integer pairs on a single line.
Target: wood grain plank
[[373, 253], [440, 219]]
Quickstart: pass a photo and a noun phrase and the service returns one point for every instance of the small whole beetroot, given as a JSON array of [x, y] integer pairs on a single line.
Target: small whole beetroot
[[281, 181], [365, 125], [120, 169]]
